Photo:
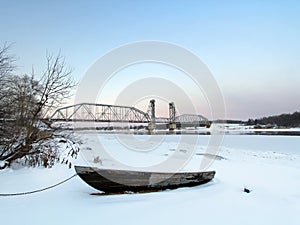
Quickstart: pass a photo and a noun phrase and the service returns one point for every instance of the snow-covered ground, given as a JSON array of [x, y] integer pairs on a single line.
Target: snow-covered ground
[[267, 165]]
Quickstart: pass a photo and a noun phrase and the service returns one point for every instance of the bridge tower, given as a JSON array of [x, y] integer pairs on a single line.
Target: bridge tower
[[172, 116], [151, 110]]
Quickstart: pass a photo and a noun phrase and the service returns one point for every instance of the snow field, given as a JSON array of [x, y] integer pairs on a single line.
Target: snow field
[[267, 165]]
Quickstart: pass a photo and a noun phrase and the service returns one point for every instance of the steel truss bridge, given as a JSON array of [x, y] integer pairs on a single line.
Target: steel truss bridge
[[88, 112], [92, 112]]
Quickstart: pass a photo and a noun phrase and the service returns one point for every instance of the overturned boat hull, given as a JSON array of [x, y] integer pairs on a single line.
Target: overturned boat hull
[[119, 181]]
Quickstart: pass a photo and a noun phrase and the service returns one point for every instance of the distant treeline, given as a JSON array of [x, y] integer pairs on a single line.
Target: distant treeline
[[283, 120], [228, 121]]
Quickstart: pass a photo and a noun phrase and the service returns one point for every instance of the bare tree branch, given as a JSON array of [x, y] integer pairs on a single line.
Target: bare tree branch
[[23, 101]]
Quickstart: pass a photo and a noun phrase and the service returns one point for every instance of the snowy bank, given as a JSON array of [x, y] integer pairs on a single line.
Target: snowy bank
[[268, 166]]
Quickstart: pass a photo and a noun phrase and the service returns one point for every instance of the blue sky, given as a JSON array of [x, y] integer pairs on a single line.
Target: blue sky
[[251, 47]]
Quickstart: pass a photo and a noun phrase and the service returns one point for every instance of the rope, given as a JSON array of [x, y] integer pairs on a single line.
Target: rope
[[39, 190]]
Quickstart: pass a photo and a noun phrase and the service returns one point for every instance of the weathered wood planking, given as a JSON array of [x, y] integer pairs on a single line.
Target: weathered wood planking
[[115, 181]]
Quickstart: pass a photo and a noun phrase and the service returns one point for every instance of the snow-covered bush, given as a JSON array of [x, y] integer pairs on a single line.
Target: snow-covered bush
[[24, 100]]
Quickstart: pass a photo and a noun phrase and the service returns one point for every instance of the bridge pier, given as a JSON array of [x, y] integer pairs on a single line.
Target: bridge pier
[[172, 126], [172, 116], [152, 124], [151, 128]]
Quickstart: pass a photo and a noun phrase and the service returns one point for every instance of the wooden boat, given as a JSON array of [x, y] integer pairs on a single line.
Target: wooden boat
[[122, 181]]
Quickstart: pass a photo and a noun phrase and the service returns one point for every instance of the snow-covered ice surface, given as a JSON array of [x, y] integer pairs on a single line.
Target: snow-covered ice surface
[[267, 165]]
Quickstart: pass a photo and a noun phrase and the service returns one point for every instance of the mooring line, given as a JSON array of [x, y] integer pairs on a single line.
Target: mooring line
[[39, 190]]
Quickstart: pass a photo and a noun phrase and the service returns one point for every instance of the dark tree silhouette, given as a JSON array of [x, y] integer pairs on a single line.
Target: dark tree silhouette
[[24, 101], [283, 120]]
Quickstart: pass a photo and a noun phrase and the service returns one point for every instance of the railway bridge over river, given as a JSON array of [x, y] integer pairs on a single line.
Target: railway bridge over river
[[93, 112]]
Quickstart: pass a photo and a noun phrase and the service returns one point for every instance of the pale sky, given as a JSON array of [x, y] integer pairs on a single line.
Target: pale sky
[[251, 47]]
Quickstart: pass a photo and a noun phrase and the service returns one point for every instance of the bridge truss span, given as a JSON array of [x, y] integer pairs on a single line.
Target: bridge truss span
[[100, 113], [191, 119], [93, 112]]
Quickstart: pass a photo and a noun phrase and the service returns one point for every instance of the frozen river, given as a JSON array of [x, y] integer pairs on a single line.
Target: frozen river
[[269, 166]]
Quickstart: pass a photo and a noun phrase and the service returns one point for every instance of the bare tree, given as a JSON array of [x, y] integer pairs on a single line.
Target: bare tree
[[6, 61], [23, 138], [6, 68], [56, 84], [22, 98]]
